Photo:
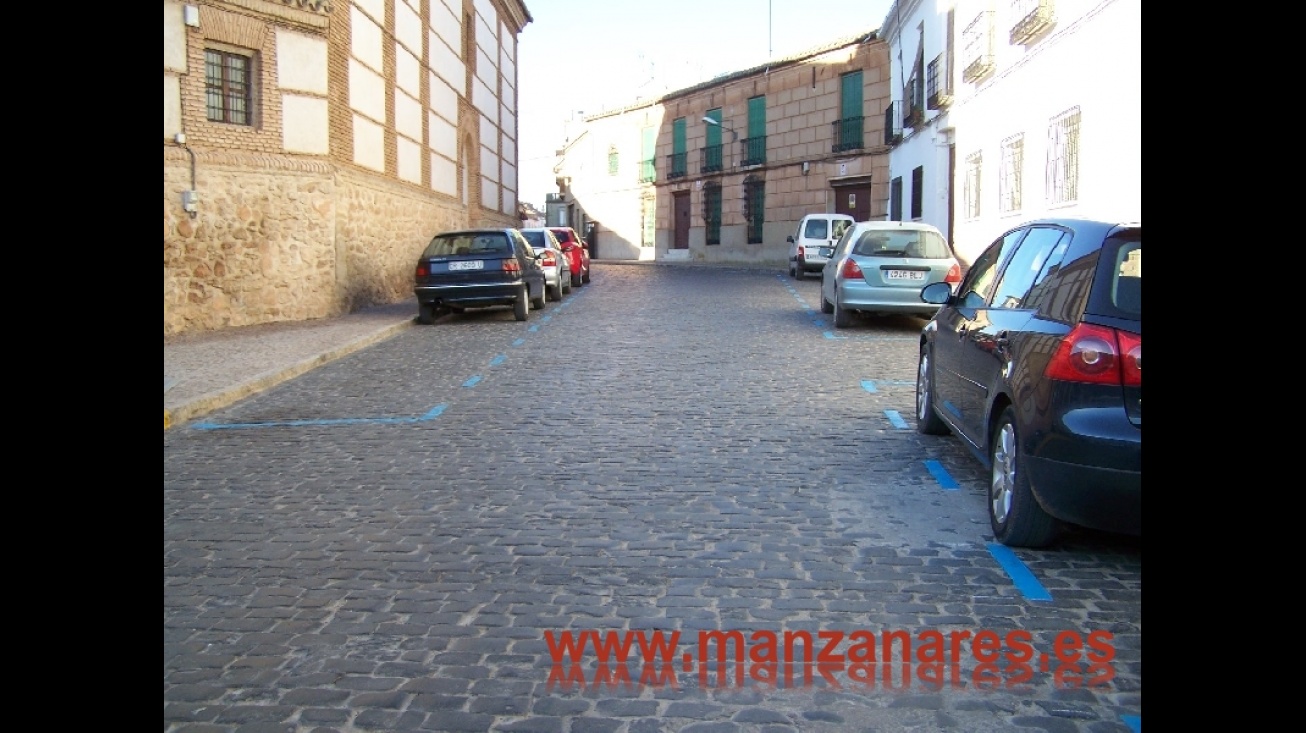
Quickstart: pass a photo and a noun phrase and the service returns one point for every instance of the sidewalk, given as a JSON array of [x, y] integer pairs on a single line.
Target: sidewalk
[[208, 371]]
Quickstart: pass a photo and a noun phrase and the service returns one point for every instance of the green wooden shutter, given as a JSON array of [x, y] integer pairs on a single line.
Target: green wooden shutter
[[648, 149], [714, 131], [850, 111], [757, 117], [678, 136]]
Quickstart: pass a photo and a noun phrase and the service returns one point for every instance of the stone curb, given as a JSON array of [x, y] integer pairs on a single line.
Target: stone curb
[[217, 400]]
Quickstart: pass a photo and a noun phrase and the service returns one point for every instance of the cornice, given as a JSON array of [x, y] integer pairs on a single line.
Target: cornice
[[313, 13]]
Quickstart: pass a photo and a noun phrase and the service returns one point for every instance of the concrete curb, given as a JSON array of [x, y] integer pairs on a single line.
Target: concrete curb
[[217, 400]]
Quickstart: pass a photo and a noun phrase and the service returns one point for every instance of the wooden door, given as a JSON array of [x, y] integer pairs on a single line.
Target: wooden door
[[680, 206], [855, 201]]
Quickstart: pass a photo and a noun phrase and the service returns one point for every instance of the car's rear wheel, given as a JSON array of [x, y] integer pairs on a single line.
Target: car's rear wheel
[[793, 272], [1014, 513], [554, 292], [843, 318], [537, 302], [585, 278], [521, 308], [826, 308], [575, 280], [800, 271], [927, 420], [426, 314]]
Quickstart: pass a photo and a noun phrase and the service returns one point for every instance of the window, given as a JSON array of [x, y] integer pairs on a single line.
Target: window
[[754, 208], [848, 128], [612, 160], [648, 215], [1063, 158], [755, 143], [677, 161], [648, 143], [1009, 169], [1019, 275], [972, 187], [895, 199], [975, 289], [712, 212], [229, 86], [918, 192], [977, 47], [712, 151]]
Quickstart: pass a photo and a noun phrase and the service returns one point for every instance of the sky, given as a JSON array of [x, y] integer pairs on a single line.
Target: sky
[[581, 57]]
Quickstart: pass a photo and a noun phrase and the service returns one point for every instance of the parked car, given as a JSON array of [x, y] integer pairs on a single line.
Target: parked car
[[811, 244], [475, 269], [879, 267], [1036, 364], [575, 248], [556, 264]]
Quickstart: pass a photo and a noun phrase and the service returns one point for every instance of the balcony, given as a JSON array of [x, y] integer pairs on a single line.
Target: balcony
[[938, 84], [977, 47], [893, 123], [712, 159], [677, 165], [847, 134], [913, 103], [647, 171], [1032, 18], [753, 150]]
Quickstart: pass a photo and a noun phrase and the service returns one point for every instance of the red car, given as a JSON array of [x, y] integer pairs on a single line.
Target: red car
[[577, 251]]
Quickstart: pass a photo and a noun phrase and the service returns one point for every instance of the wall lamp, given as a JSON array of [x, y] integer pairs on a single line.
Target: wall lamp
[[734, 135]]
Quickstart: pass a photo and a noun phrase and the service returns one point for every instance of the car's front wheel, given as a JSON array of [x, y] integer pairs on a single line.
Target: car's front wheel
[[927, 420], [1014, 513], [522, 307]]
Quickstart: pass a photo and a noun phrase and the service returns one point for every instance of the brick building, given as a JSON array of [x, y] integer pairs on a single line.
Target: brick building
[[312, 147], [657, 180]]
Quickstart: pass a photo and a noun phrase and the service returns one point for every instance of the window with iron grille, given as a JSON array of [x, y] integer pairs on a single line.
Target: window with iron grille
[[229, 86], [648, 215], [1063, 158], [1009, 173], [895, 199], [977, 47], [754, 208], [918, 192], [972, 187], [612, 160], [712, 212]]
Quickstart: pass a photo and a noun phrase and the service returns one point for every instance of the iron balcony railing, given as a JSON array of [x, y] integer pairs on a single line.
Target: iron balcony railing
[[753, 150], [677, 165], [893, 123], [938, 85], [712, 158], [847, 134]]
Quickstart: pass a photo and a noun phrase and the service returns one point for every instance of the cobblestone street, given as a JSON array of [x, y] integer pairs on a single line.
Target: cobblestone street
[[390, 541]]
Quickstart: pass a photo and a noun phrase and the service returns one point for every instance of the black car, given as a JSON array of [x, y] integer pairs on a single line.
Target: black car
[[475, 269], [1036, 364]]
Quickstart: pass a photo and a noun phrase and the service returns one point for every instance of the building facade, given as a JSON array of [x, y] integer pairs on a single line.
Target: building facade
[[921, 51], [311, 148], [1047, 114], [721, 172]]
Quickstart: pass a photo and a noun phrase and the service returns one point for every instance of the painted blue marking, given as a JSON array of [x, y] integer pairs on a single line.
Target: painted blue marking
[[472, 382], [830, 335], [1020, 574], [941, 475], [496, 361], [1135, 722], [434, 413], [896, 420], [868, 385], [533, 329], [519, 342], [545, 319]]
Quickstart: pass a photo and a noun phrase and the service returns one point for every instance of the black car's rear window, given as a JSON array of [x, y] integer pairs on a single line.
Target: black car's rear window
[[1127, 289], [902, 243], [481, 243]]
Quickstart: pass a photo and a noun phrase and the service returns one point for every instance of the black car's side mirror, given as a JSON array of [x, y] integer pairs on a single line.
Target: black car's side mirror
[[936, 293], [790, 239]]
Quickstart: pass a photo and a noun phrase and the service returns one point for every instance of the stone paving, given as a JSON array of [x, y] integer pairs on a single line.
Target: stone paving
[[389, 541]]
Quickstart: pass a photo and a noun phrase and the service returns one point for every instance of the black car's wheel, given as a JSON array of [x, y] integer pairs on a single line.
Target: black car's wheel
[[522, 307], [927, 420], [426, 314], [843, 318], [1014, 513], [576, 281], [537, 302]]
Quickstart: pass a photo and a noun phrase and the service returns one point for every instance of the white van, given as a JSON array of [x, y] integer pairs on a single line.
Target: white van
[[811, 244]]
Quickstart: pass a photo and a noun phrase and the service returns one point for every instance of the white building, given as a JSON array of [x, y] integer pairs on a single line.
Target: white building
[[922, 76], [1047, 111]]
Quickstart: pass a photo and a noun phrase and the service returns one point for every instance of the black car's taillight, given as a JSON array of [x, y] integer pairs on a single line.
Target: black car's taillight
[[1098, 355], [423, 269]]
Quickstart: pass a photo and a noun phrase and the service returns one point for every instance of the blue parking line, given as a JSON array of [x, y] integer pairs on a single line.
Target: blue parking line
[[868, 385], [519, 342], [1135, 722], [534, 328], [545, 319], [1020, 574], [496, 361], [431, 415], [472, 382], [941, 475], [896, 420]]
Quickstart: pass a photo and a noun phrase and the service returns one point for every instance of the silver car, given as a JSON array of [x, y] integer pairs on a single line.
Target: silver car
[[879, 268], [557, 272]]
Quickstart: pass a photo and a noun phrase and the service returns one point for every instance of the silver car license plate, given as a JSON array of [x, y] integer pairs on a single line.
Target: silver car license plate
[[467, 265]]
